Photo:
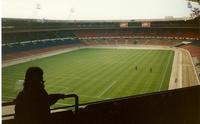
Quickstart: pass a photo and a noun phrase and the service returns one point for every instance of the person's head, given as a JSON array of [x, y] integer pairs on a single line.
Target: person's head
[[33, 77]]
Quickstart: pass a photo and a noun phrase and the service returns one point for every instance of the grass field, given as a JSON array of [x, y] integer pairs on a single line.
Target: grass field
[[96, 74]]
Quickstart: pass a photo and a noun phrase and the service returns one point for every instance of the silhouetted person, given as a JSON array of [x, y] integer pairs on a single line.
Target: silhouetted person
[[33, 103]]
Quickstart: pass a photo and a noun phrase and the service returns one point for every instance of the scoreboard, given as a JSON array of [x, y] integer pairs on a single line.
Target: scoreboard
[[146, 24], [123, 25]]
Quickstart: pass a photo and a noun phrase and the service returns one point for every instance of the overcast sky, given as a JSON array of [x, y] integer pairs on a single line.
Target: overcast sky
[[94, 9]]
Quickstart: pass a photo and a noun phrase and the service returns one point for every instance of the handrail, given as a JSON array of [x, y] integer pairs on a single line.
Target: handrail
[[76, 101], [66, 96]]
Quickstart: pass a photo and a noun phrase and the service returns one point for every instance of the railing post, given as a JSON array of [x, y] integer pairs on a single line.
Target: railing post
[[76, 101]]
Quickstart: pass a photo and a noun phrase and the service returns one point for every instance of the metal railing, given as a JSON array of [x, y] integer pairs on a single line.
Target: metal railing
[[76, 105]]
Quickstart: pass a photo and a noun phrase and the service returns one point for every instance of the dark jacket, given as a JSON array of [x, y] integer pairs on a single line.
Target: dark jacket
[[33, 106]]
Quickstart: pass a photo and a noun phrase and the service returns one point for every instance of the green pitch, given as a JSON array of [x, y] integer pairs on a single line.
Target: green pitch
[[96, 74]]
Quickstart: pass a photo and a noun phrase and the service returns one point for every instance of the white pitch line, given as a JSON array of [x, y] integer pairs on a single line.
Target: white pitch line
[[104, 91], [164, 73]]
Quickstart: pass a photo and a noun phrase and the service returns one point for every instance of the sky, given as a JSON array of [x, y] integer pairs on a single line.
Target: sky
[[94, 9]]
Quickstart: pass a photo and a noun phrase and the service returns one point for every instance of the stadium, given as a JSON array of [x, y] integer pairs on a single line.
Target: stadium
[[118, 71]]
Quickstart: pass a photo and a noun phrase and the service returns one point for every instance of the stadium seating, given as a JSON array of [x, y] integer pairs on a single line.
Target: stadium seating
[[31, 36], [161, 33], [18, 47], [194, 49]]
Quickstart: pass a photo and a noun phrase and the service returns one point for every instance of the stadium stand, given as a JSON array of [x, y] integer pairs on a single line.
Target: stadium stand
[[18, 30], [31, 36], [194, 49], [26, 46], [26, 35]]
